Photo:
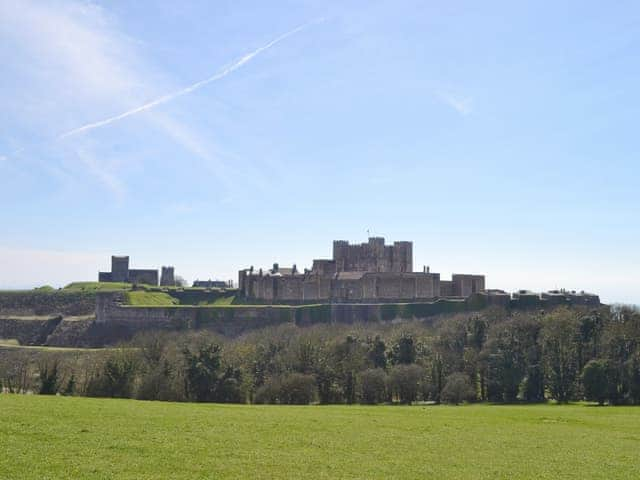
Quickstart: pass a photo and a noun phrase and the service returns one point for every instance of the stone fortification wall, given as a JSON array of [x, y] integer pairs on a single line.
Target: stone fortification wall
[[227, 320], [115, 322], [233, 320], [464, 285], [342, 287], [42, 302], [28, 331], [147, 277], [195, 296]]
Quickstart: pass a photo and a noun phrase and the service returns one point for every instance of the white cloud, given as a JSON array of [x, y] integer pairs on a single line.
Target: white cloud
[[461, 104]]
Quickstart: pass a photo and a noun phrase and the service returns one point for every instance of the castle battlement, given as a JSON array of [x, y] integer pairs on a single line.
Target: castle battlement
[[366, 272]]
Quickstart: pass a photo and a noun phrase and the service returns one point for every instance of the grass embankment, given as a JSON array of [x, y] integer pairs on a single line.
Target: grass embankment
[[218, 302], [98, 286], [145, 298], [64, 437]]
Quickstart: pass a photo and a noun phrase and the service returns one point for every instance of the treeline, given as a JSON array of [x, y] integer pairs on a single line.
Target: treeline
[[493, 356]]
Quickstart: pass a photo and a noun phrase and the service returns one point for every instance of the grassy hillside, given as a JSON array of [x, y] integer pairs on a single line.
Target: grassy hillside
[[97, 286], [146, 298], [66, 437]]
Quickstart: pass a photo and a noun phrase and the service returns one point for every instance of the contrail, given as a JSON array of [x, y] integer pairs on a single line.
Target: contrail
[[166, 98]]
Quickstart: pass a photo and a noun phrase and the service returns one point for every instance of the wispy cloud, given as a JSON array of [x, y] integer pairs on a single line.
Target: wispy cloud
[[195, 86], [72, 53], [461, 104], [107, 178]]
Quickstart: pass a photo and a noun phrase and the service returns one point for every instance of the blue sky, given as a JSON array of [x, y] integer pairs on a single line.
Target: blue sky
[[500, 137]]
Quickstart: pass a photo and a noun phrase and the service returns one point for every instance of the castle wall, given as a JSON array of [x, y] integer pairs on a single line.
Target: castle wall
[[446, 288], [464, 285], [346, 290], [104, 277], [345, 287], [239, 319], [290, 287], [428, 285], [316, 288], [148, 277], [324, 267]]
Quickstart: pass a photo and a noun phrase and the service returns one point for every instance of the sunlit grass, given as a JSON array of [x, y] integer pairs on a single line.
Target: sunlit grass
[[62, 437]]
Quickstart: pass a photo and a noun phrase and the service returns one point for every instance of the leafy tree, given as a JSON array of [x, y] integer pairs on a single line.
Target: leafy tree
[[590, 333], [594, 380], [377, 353], [373, 386], [115, 378], [350, 358], [48, 373], [560, 353], [229, 387], [292, 389], [506, 360], [404, 351], [298, 389], [70, 387], [404, 382], [457, 389], [269, 391], [633, 377], [437, 378]]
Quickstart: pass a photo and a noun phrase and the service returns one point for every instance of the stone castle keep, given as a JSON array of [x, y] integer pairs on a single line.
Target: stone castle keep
[[120, 272], [369, 272]]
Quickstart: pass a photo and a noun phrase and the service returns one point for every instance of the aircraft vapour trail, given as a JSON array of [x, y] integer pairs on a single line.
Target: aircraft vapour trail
[[166, 98]]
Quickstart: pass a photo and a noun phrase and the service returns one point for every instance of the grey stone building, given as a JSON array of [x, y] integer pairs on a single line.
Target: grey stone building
[[167, 277], [120, 272], [368, 272]]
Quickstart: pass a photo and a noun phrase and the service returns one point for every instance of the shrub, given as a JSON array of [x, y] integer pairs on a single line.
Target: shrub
[[115, 379], [269, 392], [404, 382], [298, 389], [291, 389], [594, 380], [457, 389], [373, 388], [48, 372], [155, 385]]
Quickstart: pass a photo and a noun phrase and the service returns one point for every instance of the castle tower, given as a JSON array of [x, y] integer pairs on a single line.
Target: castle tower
[[340, 254], [119, 268], [402, 257], [167, 277]]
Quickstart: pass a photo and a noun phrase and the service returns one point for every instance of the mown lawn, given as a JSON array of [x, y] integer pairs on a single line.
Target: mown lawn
[[61, 437]]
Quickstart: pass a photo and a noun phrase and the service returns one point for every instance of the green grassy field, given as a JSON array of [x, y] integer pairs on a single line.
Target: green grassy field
[[64, 437], [150, 299]]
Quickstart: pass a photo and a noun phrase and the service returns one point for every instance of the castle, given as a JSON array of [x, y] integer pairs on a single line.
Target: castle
[[368, 272], [120, 272]]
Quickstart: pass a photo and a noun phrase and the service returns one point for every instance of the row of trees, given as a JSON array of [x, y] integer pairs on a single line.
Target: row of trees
[[497, 356]]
